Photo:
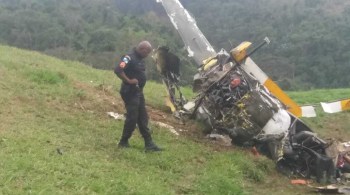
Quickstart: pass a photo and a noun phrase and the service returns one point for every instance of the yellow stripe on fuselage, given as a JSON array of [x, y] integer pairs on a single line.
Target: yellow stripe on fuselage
[[283, 97], [345, 105], [170, 104], [251, 68]]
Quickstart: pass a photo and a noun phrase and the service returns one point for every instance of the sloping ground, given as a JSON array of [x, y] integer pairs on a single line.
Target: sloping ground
[[56, 138], [328, 126]]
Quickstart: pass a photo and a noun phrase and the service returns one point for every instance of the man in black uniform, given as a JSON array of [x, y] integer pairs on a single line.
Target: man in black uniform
[[131, 70]]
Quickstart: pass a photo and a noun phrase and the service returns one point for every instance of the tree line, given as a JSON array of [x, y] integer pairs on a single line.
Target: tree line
[[310, 42], [310, 39], [94, 32]]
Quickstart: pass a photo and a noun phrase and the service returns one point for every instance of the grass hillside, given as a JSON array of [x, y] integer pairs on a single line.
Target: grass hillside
[[336, 125], [56, 138]]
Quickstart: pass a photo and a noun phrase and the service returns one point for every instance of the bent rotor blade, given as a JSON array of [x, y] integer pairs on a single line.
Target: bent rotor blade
[[337, 106], [251, 68], [196, 43]]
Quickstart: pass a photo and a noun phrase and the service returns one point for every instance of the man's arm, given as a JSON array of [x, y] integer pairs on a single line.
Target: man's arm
[[126, 79], [119, 71]]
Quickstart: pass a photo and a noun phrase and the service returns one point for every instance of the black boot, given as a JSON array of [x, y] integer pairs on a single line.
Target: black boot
[[150, 146], [123, 144]]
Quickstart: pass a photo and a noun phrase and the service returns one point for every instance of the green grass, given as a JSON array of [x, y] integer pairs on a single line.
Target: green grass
[[320, 95], [334, 125], [55, 138]]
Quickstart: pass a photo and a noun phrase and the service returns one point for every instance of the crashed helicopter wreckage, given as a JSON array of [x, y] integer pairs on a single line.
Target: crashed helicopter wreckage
[[235, 97], [168, 66], [230, 101]]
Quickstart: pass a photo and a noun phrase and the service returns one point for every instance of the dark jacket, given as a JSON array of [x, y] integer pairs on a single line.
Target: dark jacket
[[133, 66]]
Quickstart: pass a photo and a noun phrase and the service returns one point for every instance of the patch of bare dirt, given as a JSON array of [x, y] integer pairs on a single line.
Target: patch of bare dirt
[[102, 99]]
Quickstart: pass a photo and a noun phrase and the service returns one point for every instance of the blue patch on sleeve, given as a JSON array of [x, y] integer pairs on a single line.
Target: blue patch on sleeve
[[126, 60]]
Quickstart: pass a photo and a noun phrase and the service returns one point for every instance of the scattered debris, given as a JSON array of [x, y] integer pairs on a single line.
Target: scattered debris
[[255, 151], [59, 151], [299, 181], [344, 190], [171, 128], [159, 124], [222, 139], [81, 106], [116, 115], [329, 189], [332, 189]]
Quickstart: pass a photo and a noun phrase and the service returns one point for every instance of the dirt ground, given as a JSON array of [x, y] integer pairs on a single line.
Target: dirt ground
[[102, 99]]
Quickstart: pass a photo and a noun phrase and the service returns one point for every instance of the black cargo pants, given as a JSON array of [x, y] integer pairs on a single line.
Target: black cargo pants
[[136, 113]]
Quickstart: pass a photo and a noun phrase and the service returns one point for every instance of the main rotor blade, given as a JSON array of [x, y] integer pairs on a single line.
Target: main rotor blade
[[336, 106], [252, 68], [196, 43]]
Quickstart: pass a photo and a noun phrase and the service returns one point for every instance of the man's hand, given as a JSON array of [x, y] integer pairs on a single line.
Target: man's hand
[[133, 81], [124, 78]]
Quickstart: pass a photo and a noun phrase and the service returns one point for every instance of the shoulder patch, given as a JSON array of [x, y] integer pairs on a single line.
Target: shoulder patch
[[126, 59]]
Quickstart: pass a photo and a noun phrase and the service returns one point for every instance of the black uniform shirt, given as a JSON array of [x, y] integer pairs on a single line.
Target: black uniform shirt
[[133, 66]]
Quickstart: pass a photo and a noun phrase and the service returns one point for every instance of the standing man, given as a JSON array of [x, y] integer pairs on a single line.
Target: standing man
[[131, 70]]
